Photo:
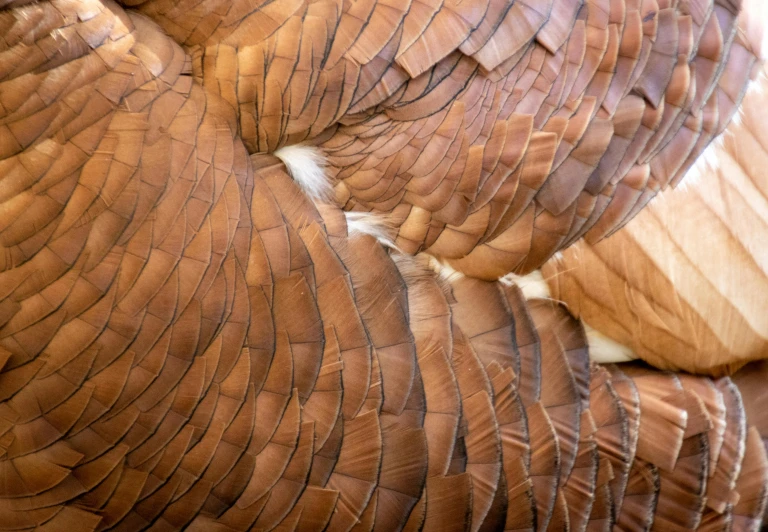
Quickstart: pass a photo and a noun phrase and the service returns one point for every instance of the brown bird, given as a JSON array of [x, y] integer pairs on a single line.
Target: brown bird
[[195, 335]]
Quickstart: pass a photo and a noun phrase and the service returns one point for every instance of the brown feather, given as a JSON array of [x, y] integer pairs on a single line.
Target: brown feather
[[196, 334]]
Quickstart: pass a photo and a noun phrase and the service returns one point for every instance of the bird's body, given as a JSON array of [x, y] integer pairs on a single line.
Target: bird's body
[[191, 339]]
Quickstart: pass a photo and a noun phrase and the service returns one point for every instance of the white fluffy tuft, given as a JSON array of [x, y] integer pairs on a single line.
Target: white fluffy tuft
[[444, 272], [604, 350], [532, 285], [306, 165], [376, 225]]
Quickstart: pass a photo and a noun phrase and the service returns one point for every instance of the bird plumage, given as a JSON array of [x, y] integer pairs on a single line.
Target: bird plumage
[[190, 338], [494, 133], [683, 285]]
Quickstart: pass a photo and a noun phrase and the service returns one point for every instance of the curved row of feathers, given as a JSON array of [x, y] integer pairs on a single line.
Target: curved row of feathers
[[188, 340], [684, 284]]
